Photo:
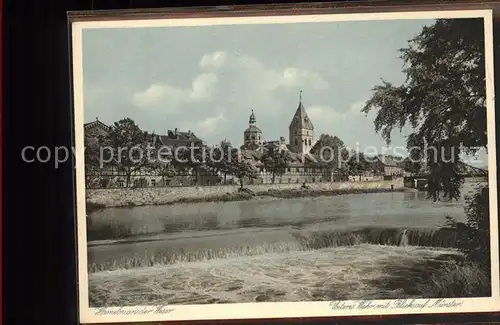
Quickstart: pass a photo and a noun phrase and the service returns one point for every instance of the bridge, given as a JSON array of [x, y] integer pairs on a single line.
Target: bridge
[[467, 171]]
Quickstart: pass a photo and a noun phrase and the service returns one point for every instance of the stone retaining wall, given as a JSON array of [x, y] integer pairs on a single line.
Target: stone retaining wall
[[166, 195]]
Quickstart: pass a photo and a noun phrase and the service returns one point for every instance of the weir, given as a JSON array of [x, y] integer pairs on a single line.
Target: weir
[[302, 241], [440, 237]]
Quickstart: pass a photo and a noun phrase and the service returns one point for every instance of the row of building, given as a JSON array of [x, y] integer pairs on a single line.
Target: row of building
[[304, 166]]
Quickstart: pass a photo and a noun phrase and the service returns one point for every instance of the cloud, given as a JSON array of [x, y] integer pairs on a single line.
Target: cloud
[[358, 106], [294, 77], [226, 87], [325, 113], [213, 60], [207, 126], [152, 95], [162, 93], [202, 86], [269, 79]]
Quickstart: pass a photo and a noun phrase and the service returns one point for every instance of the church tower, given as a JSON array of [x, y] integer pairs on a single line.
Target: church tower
[[252, 135], [301, 130]]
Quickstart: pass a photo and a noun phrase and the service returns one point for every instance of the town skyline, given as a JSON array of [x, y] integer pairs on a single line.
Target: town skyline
[[211, 84]]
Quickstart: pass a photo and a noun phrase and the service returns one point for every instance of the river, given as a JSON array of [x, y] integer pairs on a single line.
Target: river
[[319, 248]]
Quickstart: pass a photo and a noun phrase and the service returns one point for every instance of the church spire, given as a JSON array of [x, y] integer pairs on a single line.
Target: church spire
[[252, 121], [300, 119]]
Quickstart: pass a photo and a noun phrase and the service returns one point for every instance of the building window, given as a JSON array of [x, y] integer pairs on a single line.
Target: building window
[[253, 137], [289, 169], [309, 141], [296, 142], [153, 182]]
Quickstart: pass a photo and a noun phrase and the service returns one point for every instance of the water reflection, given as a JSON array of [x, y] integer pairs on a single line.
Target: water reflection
[[382, 209]]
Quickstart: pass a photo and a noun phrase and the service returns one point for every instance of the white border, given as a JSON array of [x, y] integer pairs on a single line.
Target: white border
[[282, 309]]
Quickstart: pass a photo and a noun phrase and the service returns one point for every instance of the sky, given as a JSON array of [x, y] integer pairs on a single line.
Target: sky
[[208, 79]]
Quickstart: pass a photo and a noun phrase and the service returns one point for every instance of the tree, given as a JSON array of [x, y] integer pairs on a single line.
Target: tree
[[412, 167], [219, 159], [226, 165], [245, 169], [443, 99], [191, 158], [357, 164], [92, 158], [275, 161], [132, 149], [331, 152], [166, 170]]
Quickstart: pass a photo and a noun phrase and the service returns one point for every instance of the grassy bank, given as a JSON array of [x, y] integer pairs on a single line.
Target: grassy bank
[[246, 194], [447, 276], [466, 280]]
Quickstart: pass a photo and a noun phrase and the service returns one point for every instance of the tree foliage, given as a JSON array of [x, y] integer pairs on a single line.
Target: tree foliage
[[275, 161], [443, 99], [245, 169], [221, 159], [193, 158], [92, 158], [474, 236], [357, 164], [130, 147], [331, 152]]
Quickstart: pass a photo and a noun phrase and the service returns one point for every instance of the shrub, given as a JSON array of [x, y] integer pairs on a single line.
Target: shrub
[[474, 235]]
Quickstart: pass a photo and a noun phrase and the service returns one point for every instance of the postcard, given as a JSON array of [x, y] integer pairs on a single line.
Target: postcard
[[280, 166]]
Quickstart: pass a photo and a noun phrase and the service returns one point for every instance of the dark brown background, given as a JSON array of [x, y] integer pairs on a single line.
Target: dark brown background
[[39, 264]]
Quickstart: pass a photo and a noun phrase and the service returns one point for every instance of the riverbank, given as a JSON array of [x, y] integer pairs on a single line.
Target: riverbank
[[103, 198]]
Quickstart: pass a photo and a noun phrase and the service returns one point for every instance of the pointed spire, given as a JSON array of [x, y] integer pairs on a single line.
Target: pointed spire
[[300, 120]]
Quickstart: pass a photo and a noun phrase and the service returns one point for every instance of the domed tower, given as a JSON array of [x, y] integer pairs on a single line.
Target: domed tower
[[252, 135], [301, 130]]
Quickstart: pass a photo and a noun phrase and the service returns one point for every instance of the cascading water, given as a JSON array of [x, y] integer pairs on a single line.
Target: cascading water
[[404, 239], [157, 252]]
